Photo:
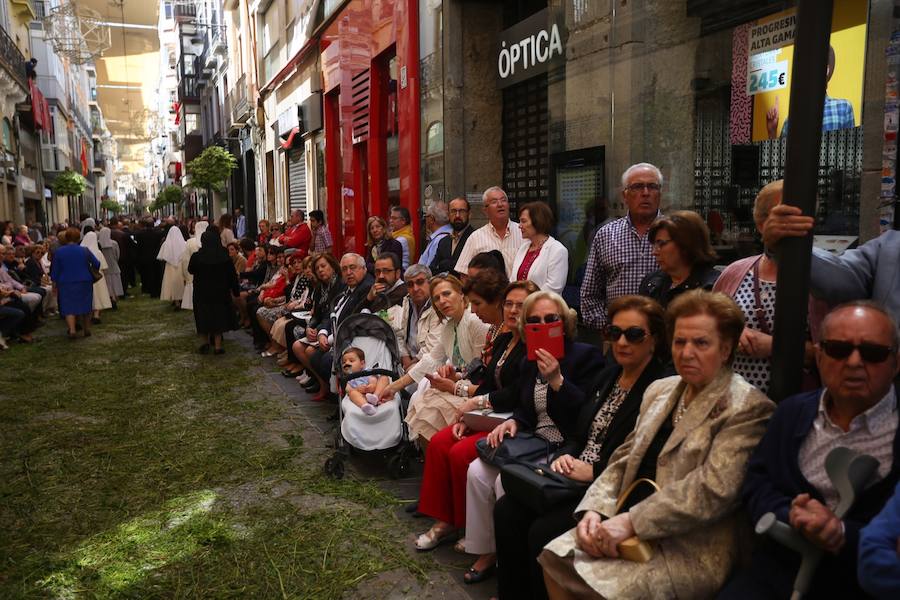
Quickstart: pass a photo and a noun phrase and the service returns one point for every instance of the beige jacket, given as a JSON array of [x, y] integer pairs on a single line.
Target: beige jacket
[[691, 521], [428, 328]]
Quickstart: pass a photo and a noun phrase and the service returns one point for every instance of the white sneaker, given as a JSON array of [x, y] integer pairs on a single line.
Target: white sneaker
[[3, 344], [303, 379]]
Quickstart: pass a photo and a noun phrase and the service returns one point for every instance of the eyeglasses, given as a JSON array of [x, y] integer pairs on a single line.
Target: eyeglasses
[[547, 319], [633, 335], [870, 353], [459, 211], [640, 187], [384, 271], [509, 305], [660, 244]]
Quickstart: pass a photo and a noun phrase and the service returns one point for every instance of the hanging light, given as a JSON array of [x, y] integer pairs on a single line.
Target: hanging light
[[77, 32]]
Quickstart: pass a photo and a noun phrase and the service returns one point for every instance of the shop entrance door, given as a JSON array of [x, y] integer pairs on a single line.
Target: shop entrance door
[[525, 142]]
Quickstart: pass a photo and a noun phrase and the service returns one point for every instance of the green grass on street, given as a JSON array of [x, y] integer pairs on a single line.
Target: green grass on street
[[134, 467]]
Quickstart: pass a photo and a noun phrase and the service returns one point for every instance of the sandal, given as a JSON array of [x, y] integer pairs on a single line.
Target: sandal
[[433, 538], [472, 576], [460, 546]]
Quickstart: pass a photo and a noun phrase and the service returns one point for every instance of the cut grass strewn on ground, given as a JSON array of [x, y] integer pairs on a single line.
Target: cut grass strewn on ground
[[132, 466]]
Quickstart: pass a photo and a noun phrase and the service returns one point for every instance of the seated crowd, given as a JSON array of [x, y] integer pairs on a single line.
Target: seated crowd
[[632, 469]]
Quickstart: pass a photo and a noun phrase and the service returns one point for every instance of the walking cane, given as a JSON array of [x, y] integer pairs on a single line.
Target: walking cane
[[849, 472]]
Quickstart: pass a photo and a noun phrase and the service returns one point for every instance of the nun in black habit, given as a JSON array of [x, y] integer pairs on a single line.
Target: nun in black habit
[[215, 282]]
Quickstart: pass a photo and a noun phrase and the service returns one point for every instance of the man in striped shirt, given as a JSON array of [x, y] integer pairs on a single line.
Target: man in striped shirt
[[621, 255], [501, 233]]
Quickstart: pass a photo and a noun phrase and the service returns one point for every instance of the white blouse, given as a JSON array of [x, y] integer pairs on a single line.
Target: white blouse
[[470, 334]]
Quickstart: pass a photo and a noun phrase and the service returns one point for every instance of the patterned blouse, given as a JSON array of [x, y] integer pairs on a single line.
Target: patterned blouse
[[600, 425], [546, 428], [755, 370]]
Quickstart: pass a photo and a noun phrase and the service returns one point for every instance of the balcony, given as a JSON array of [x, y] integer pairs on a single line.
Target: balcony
[[187, 90], [185, 13], [12, 59], [240, 105]]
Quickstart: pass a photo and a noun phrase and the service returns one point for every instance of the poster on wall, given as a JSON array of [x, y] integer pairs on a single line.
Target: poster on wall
[[770, 43]]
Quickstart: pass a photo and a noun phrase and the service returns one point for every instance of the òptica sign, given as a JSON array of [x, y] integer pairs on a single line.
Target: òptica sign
[[531, 47]]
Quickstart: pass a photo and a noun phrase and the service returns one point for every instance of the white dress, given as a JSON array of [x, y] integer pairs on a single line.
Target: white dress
[[192, 245], [171, 252], [102, 300]]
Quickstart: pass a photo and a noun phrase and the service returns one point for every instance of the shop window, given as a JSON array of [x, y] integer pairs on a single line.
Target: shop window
[[434, 140]]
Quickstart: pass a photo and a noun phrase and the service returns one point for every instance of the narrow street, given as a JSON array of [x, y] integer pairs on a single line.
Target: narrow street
[[141, 468]]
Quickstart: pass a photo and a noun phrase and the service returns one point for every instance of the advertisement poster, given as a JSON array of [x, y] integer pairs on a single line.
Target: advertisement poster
[[770, 42]]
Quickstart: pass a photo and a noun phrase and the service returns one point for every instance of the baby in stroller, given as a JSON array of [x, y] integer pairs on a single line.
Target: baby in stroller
[[364, 391]]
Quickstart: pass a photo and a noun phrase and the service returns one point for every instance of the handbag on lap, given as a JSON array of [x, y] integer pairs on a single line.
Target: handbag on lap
[[538, 487]]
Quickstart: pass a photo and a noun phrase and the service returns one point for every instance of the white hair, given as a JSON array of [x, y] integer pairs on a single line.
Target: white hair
[[359, 260], [438, 211], [493, 188], [630, 170], [416, 270]]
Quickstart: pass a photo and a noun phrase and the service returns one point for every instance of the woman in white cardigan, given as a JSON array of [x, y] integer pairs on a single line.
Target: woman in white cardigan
[[541, 258], [462, 339]]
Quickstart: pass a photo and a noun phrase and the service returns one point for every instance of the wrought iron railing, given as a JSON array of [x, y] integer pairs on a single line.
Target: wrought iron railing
[[12, 58]]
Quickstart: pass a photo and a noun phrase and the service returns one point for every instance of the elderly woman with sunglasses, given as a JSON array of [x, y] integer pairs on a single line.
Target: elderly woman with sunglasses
[[693, 439], [552, 393], [612, 399]]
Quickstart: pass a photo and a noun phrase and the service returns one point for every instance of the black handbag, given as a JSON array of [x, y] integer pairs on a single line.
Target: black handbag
[[95, 272], [538, 487], [523, 446]]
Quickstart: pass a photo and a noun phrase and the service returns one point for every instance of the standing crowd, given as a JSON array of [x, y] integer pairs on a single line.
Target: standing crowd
[[635, 468]]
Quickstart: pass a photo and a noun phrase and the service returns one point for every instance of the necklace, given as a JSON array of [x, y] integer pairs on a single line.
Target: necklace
[[679, 410]]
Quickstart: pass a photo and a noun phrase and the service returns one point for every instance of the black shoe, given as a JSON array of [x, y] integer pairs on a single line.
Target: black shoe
[[219, 351], [204, 349], [312, 390], [412, 508]]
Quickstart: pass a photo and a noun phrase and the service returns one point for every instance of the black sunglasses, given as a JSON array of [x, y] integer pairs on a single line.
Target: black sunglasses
[[870, 353], [547, 319], [634, 335]]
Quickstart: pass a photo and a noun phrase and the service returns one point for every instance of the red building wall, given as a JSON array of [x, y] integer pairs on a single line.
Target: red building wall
[[356, 47]]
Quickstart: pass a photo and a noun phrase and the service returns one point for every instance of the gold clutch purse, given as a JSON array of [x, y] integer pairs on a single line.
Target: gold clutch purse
[[634, 549]]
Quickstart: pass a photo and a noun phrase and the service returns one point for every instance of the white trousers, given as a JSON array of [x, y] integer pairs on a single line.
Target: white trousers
[[483, 487], [31, 300]]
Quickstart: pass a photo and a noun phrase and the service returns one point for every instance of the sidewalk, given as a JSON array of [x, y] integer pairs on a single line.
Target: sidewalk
[[447, 582]]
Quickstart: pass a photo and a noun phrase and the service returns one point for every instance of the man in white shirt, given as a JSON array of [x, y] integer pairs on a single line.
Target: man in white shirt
[[501, 233], [417, 326]]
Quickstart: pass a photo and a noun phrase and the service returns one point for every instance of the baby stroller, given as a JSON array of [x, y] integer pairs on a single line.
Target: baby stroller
[[385, 432]]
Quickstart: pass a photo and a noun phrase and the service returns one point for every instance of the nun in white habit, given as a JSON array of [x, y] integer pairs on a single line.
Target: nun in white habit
[[191, 246], [102, 301], [171, 252]]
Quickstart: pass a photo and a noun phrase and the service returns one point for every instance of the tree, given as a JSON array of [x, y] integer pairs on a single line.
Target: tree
[[69, 183], [171, 194], [111, 205], [212, 168]]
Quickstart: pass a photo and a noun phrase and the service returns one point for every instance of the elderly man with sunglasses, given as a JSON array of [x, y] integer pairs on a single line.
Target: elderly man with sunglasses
[[857, 409], [621, 253]]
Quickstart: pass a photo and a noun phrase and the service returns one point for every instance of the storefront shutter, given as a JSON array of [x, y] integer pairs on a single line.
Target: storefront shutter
[[525, 142], [297, 179]]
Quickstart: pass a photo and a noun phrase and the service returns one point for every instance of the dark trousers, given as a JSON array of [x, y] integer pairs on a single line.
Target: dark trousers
[[151, 278], [128, 274], [28, 321], [521, 535], [259, 336], [10, 318]]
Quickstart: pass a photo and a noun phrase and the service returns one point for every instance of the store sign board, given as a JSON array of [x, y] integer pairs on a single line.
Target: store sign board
[[531, 47], [773, 33], [765, 73]]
